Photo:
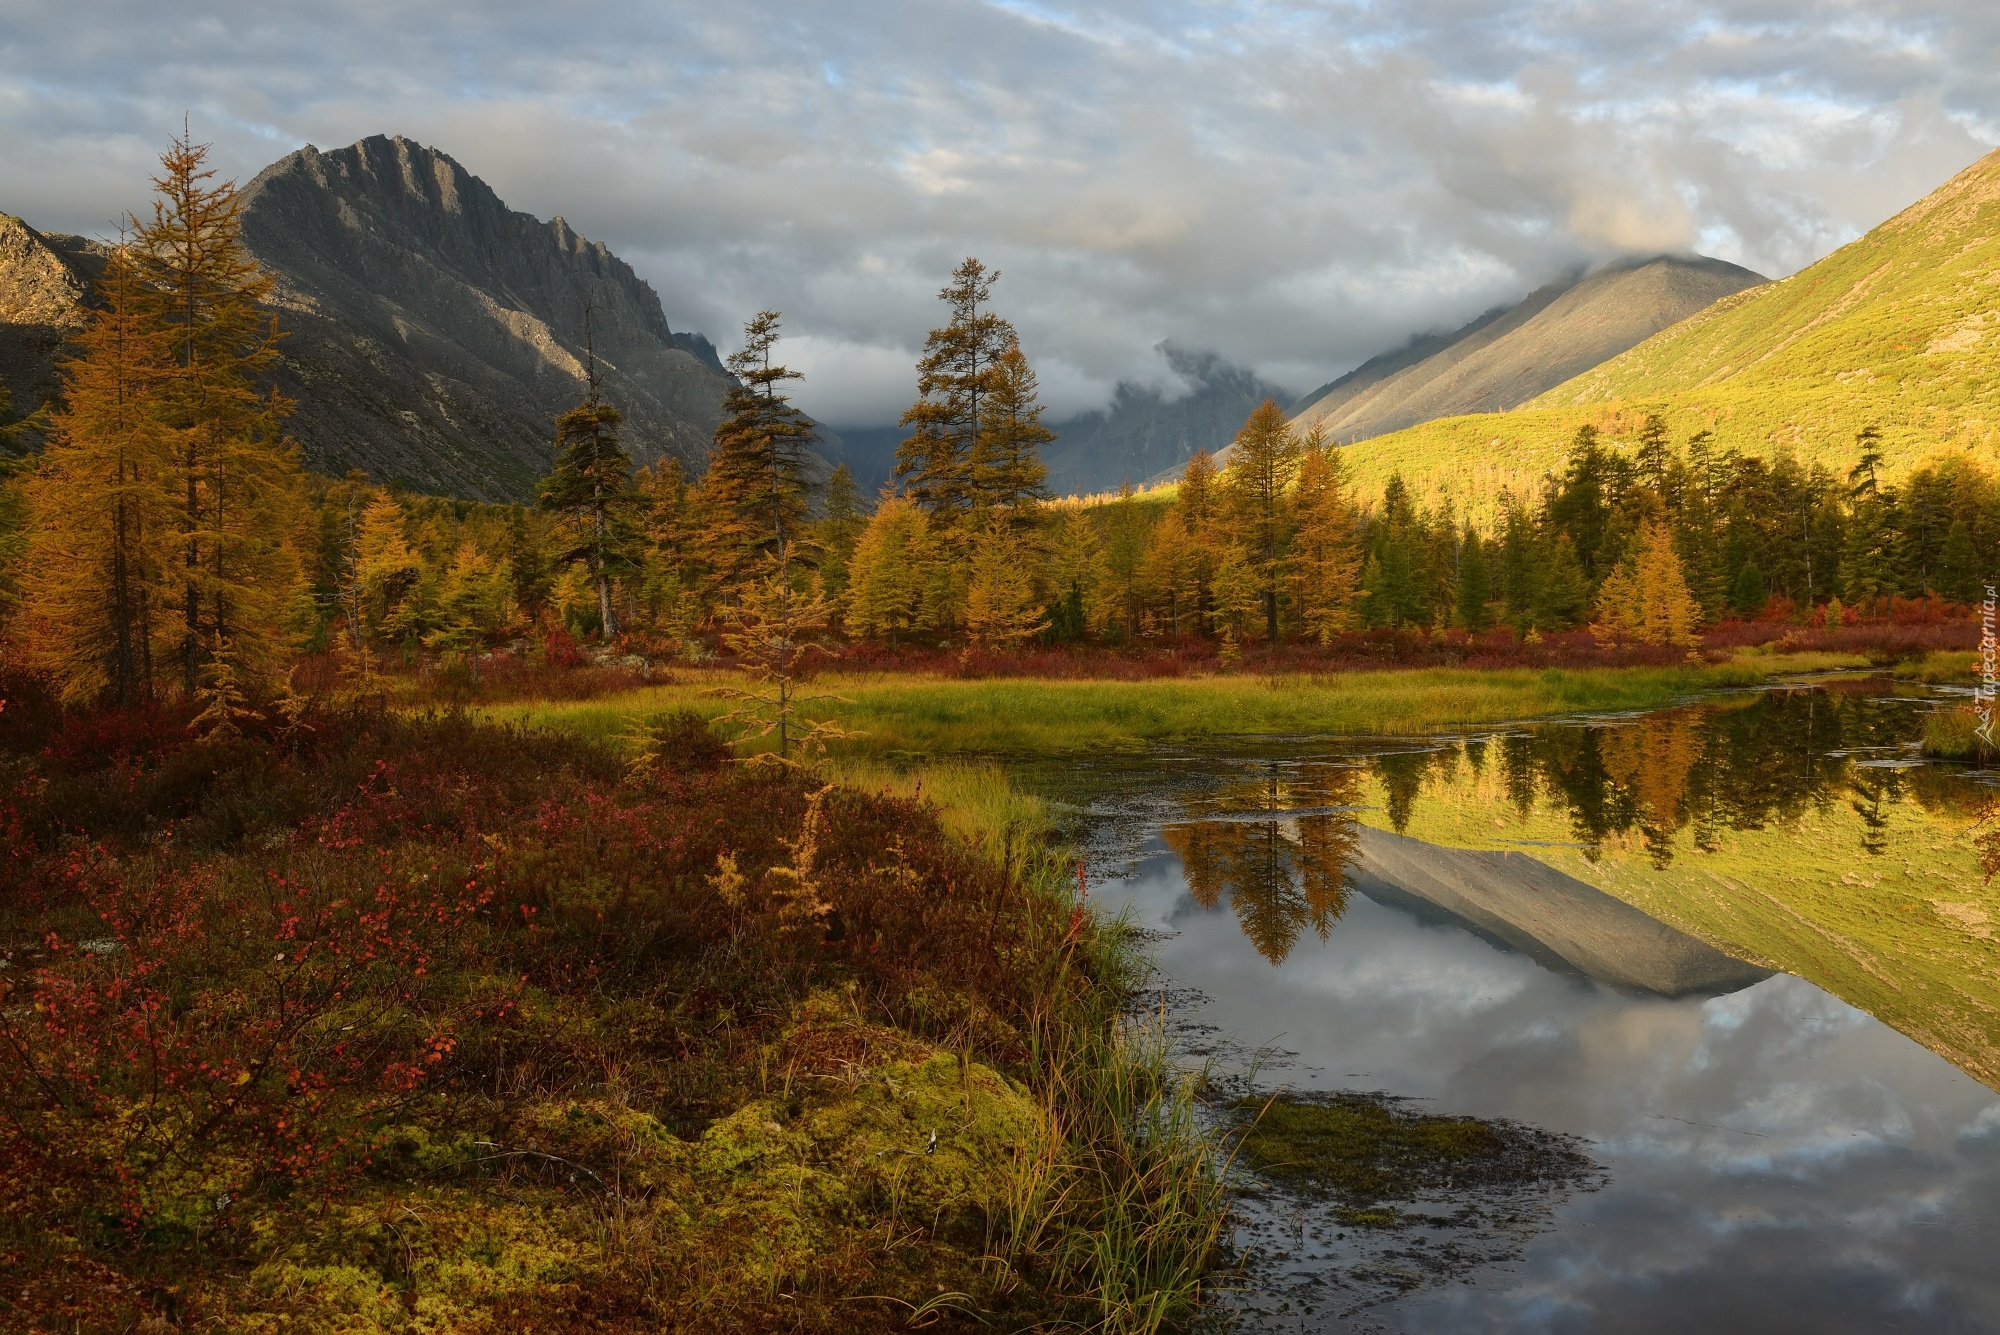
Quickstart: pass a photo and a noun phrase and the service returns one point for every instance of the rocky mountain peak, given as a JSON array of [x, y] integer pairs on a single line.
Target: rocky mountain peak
[[436, 333]]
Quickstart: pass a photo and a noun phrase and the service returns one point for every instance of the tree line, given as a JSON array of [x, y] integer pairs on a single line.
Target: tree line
[[167, 541]]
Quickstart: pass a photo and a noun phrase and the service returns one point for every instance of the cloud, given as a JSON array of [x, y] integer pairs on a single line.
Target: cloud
[[1295, 186]]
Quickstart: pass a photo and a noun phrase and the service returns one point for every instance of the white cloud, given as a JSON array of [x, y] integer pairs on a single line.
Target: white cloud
[[1296, 186]]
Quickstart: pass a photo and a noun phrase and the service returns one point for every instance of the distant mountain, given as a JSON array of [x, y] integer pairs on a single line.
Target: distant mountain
[[1899, 330], [1147, 433], [1901, 327], [1508, 356], [434, 334]]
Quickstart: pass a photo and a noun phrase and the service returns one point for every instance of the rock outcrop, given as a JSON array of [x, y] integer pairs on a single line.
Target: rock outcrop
[[433, 334], [45, 282]]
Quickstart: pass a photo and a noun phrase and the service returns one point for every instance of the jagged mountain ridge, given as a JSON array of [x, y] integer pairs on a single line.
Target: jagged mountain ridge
[[1505, 358], [433, 334]]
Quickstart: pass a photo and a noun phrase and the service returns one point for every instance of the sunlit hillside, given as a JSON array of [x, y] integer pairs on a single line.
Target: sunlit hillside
[[1899, 329]]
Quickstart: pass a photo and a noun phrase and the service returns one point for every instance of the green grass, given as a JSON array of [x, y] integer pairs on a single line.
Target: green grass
[[910, 719], [1895, 330]]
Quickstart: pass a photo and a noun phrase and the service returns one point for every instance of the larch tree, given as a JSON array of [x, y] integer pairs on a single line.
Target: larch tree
[[1646, 598], [757, 489], [1001, 609], [385, 572], [960, 367], [97, 552], [234, 477], [759, 477], [883, 582], [1264, 459], [1325, 562], [1007, 473]]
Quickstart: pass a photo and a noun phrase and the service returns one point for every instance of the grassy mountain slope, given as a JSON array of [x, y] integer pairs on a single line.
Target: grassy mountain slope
[[1899, 329], [1558, 332]]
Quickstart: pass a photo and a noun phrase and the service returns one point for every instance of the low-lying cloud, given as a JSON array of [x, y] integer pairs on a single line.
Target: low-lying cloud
[[1295, 186]]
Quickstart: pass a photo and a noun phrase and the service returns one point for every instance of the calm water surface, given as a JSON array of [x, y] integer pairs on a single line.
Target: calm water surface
[[1774, 1159]]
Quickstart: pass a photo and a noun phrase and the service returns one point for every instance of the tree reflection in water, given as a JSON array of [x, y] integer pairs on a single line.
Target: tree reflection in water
[[1279, 844], [1283, 873]]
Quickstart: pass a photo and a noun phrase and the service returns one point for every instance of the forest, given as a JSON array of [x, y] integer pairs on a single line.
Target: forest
[[164, 539]]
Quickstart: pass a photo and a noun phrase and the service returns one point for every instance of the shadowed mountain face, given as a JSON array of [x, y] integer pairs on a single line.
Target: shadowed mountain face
[[1145, 434], [434, 334], [1506, 357]]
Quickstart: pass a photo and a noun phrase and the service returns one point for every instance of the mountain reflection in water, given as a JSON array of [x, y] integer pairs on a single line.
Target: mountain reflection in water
[[1525, 925]]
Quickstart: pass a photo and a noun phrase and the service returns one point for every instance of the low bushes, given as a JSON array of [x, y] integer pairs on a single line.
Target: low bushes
[[368, 1022]]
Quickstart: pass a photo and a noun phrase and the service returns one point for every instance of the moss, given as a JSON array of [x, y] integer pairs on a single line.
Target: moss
[[1363, 1149]]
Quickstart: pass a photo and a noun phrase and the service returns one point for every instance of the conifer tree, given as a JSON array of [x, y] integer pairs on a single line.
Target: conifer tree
[[1580, 505], [1007, 470], [1650, 464], [1264, 458], [1475, 589], [1326, 564], [838, 529], [884, 582], [1124, 555], [1747, 594], [97, 555], [589, 490], [1076, 577], [960, 367], [234, 477], [756, 492], [387, 571], [1645, 598], [1001, 609], [1565, 589]]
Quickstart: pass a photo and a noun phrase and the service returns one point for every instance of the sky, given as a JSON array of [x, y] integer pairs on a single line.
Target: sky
[[1294, 186]]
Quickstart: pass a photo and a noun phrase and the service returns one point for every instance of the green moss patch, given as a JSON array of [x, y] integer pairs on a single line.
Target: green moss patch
[[1361, 1150]]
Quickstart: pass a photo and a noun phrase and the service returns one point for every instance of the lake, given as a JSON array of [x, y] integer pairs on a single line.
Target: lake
[[1741, 952]]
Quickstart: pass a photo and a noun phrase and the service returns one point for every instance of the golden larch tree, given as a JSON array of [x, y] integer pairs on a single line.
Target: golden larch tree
[[234, 476], [99, 513]]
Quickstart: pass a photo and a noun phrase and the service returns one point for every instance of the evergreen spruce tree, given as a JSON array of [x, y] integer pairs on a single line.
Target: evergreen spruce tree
[[97, 551], [1475, 589], [1746, 595], [234, 477], [837, 531], [1565, 589], [1580, 506], [589, 491], [1650, 463]]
